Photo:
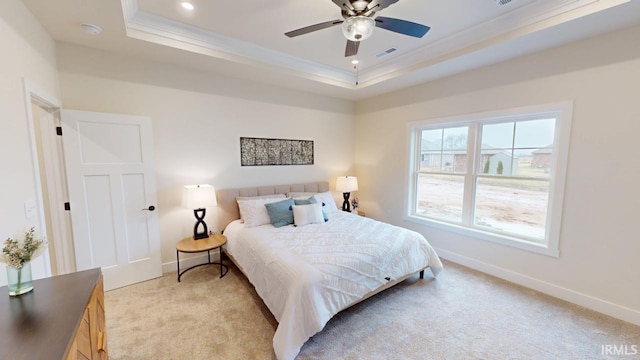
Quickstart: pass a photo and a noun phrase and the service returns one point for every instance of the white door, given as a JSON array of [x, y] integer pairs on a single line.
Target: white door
[[112, 193]]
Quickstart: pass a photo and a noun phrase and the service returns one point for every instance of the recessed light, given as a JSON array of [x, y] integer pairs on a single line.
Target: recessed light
[[187, 5], [91, 29], [355, 62]]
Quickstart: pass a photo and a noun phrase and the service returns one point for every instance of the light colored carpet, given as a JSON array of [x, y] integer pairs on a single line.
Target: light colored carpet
[[463, 314]]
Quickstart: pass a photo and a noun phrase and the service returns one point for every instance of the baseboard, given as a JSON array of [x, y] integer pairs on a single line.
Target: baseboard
[[185, 262], [590, 302]]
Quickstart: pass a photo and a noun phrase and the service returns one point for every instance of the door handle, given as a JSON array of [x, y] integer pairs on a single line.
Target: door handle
[[150, 208]]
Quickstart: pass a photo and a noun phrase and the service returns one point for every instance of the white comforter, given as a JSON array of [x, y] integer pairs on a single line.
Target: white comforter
[[305, 275]]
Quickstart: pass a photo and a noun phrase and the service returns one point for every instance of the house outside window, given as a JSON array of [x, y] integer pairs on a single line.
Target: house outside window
[[495, 176]]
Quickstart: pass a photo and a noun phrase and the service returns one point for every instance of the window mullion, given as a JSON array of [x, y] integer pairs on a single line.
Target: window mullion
[[513, 146], [417, 133], [470, 178]]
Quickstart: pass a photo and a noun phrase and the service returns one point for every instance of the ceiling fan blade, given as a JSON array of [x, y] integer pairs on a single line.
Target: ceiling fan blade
[[352, 48], [380, 3], [343, 4], [312, 28], [402, 26]]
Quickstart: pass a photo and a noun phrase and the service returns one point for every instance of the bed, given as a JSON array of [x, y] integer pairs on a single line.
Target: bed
[[307, 274]]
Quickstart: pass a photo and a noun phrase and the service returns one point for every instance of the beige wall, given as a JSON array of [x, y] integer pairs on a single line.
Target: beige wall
[[598, 264], [28, 53], [198, 120]]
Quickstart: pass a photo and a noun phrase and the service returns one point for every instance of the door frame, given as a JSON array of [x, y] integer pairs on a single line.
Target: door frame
[[55, 185]]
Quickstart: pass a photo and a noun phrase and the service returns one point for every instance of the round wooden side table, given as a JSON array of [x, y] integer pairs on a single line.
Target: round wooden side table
[[189, 245]]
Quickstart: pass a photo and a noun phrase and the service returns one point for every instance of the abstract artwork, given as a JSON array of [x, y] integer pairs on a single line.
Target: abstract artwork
[[259, 151]]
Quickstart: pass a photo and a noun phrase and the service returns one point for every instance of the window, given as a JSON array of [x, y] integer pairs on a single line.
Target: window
[[496, 176]]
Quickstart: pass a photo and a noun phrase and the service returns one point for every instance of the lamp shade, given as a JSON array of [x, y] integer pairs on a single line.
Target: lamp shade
[[346, 184], [199, 196], [358, 28]]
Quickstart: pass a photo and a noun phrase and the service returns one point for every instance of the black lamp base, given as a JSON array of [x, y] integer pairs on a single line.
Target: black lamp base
[[345, 205], [199, 213]]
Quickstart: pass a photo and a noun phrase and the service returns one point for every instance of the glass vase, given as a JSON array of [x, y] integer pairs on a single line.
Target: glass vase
[[19, 280]]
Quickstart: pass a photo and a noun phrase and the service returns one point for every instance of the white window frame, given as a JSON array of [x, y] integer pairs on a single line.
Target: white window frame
[[562, 112]]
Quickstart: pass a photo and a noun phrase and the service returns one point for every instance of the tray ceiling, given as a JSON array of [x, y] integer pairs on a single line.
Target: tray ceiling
[[246, 38]]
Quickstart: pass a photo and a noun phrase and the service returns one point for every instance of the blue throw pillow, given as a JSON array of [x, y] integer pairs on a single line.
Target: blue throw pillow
[[280, 213], [312, 200]]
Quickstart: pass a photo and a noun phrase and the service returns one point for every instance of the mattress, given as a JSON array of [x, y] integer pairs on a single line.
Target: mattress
[[305, 275]]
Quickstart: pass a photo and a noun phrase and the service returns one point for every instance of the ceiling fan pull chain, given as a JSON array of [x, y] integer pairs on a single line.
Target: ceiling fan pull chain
[[355, 67]]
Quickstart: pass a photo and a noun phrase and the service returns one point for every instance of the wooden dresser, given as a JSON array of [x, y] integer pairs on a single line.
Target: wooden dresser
[[61, 319]]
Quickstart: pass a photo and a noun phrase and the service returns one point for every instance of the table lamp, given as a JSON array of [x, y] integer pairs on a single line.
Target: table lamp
[[198, 198], [346, 184]]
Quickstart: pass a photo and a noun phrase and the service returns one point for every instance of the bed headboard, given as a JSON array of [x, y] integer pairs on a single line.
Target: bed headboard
[[228, 207]]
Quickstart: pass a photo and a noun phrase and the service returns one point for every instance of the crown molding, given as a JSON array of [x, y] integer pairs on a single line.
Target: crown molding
[[512, 24], [156, 29], [516, 23]]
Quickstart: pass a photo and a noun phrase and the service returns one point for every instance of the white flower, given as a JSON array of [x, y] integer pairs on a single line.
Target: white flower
[[16, 253]]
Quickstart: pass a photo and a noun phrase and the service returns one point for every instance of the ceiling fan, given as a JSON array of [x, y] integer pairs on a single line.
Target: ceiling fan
[[358, 23]]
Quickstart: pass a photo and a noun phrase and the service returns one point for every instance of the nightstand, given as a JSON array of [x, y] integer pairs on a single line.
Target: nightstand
[[189, 245], [362, 213]]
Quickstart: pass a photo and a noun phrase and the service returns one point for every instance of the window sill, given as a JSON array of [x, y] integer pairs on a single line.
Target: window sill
[[487, 236]]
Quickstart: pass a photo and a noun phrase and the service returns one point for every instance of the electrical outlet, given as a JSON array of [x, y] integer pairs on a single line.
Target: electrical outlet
[[29, 209]]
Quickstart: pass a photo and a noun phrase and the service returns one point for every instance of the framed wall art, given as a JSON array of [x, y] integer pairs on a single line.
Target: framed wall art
[[261, 151]]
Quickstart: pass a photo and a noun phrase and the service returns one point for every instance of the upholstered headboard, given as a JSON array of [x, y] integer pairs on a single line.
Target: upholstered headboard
[[228, 207]]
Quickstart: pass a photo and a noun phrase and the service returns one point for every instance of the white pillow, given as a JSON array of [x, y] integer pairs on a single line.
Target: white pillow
[[329, 202], [254, 213], [307, 214], [274, 196], [294, 194]]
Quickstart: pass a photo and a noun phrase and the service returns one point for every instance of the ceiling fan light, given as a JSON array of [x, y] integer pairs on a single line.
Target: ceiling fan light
[[187, 5], [358, 28]]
